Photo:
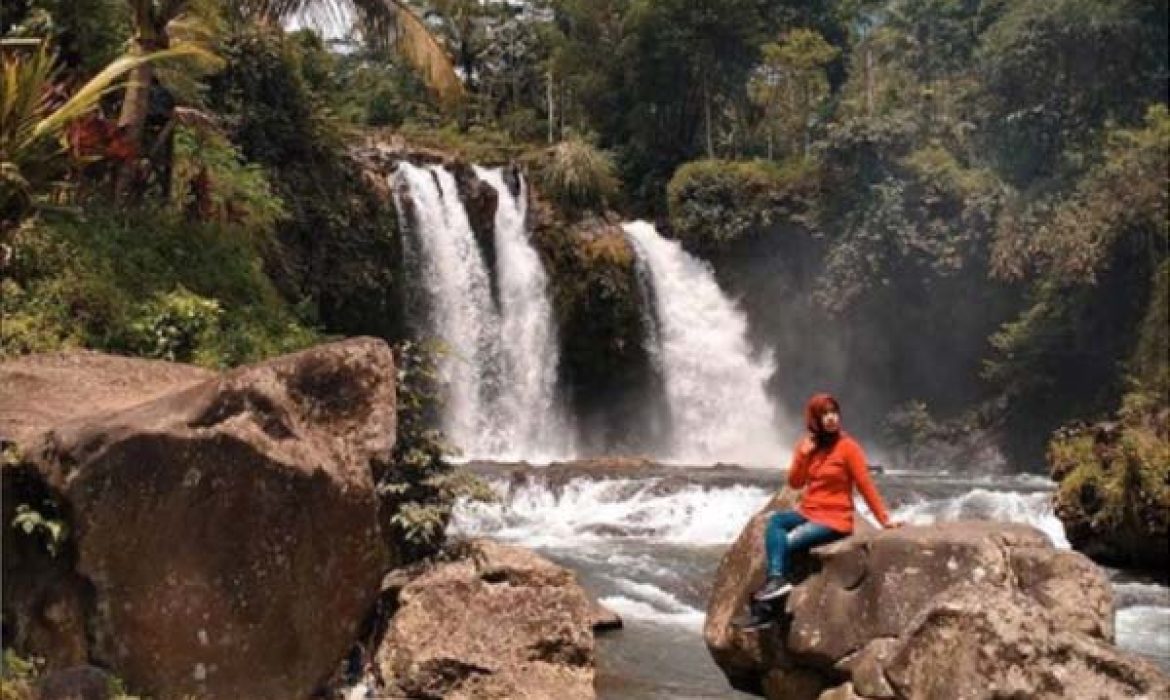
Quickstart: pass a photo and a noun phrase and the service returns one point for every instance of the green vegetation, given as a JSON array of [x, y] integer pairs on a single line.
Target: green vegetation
[[418, 487], [1114, 494], [577, 176], [160, 287], [716, 203]]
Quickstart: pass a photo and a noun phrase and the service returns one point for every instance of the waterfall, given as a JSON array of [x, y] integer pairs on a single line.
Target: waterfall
[[714, 383], [461, 308], [501, 366], [529, 413]]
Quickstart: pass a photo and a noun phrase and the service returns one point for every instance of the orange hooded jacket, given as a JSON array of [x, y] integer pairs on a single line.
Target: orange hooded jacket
[[829, 473]]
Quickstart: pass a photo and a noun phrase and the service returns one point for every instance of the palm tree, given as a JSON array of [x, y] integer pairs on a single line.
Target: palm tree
[[34, 116], [391, 23]]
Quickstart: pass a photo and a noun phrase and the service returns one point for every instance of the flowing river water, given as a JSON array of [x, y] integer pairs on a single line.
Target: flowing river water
[[648, 547]]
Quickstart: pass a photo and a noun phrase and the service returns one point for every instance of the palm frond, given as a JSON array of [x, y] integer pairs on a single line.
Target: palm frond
[[415, 42], [382, 22], [85, 98]]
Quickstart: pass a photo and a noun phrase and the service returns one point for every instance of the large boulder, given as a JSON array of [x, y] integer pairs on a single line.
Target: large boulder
[[500, 623], [997, 642], [862, 601], [223, 538]]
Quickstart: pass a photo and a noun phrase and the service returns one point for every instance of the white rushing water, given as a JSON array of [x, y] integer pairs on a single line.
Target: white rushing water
[[1033, 509], [533, 424], [457, 282], [500, 368], [591, 510], [719, 410]]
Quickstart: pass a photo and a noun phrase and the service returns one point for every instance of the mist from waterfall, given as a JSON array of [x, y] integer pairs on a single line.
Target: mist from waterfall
[[719, 411], [501, 362]]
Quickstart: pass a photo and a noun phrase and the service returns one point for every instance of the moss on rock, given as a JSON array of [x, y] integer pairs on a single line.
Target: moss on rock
[[1114, 492], [598, 304]]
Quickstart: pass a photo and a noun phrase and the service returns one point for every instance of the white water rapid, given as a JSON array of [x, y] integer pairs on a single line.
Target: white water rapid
[[719, 411], [501, 363]]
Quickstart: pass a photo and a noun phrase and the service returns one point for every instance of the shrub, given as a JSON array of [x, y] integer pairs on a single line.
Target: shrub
[[171, 325], [714, 203], [576, 175], [1115, 477], [144, 283], [419, 487]]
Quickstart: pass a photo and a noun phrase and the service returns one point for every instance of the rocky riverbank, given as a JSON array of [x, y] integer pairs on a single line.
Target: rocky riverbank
[[879, 615], [218, 536]]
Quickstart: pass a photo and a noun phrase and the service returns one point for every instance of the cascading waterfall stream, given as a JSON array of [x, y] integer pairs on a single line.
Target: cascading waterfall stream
[[462, 312], [501, 368], [714, 385], [534, 425]]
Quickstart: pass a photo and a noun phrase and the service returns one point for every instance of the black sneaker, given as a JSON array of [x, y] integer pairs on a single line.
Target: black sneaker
[[774, 587]]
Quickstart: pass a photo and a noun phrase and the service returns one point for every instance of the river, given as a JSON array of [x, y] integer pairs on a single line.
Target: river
[[647, 546]]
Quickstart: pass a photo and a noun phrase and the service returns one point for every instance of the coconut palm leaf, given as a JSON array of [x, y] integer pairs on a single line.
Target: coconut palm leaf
[[34, 115], [384, 22], [87, 97]]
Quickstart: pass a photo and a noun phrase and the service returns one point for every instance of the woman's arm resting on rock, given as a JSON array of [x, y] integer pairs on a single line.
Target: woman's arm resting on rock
[[855, 461]]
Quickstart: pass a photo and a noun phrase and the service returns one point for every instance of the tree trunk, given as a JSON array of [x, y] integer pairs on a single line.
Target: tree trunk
[[149, 37], [707, 116], [551, 106]]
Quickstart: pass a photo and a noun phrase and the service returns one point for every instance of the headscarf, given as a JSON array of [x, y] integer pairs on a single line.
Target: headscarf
[[817, 406]]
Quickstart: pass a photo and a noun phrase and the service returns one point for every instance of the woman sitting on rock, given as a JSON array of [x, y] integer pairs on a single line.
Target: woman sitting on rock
[[827, 464]]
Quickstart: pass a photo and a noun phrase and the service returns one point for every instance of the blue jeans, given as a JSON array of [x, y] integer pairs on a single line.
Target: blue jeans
[[789, 531]]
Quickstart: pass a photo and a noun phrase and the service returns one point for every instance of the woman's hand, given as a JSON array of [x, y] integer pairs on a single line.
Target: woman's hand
[[807, 445]]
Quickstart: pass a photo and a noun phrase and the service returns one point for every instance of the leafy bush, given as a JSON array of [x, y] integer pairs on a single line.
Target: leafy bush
[[714, 203], [144, 282], [1115, 477], [419, 487], [213, 182], [171, 325], [576, 175]]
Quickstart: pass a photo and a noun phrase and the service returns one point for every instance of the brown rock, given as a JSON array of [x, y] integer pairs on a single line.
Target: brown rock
[[867, 668], [503, 623], [745, 656], [845, 619], [998, 642], [41, 391], [872, 586], [845, 691], [742, 655], [228, 531]]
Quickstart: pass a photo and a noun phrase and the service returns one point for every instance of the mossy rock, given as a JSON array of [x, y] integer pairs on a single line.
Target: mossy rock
[[599, 308], [1114, 492]]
